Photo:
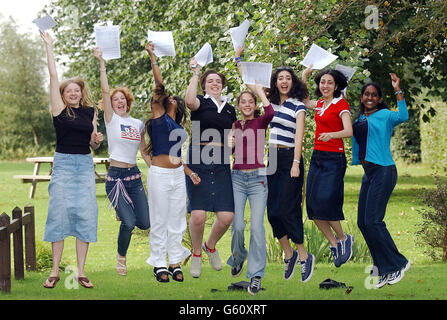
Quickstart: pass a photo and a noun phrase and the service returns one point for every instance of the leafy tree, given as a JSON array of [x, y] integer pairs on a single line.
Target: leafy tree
[[281, 32], [26, 126]]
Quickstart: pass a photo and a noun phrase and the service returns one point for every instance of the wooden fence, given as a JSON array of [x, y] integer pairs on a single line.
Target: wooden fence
[[14, 227]]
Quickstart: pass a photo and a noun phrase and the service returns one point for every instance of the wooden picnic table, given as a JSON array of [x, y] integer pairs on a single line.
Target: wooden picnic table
[[35, 177]]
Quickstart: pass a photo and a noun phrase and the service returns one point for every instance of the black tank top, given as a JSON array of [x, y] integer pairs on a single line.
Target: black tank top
[[73, 134]]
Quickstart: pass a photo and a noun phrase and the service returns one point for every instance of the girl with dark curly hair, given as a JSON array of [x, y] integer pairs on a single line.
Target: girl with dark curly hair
[[325, 185]]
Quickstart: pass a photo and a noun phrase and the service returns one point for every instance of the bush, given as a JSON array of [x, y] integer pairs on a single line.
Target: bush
[[434, 138], [433, 230], [44, 259], [317, 244]]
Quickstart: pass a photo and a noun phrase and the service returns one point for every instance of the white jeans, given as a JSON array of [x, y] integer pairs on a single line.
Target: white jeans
[[167, 210]]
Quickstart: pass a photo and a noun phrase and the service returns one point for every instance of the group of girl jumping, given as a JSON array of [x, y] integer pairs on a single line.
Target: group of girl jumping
[[208, 182]]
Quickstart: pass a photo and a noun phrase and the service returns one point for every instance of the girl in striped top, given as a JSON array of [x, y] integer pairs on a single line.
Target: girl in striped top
[[285, 160]]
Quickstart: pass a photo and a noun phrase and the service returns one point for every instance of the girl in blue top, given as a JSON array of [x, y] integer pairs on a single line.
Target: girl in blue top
[[373, 126], [166, 179]]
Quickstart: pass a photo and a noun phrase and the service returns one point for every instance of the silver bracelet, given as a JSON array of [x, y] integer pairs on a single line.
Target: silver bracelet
[[297, 161], [154, 63]]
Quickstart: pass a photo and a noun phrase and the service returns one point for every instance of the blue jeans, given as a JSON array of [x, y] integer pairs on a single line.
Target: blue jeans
[[252, 186], [378, 183], [133, 211]]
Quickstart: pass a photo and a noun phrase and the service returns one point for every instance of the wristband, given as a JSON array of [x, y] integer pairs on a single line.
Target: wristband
[[154, 63], [297, 161], [238, 59], [192, 174], [397, 92]]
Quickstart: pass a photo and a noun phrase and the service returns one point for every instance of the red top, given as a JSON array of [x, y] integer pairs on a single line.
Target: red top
[[329, 120], [250, 141]]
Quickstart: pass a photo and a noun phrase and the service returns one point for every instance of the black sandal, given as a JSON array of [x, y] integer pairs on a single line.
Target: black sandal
[[159, 272], [175, 272]]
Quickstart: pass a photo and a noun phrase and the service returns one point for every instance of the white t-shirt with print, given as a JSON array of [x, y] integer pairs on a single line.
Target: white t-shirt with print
[[124, 137]]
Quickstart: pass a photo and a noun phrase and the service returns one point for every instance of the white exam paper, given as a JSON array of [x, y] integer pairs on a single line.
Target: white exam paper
[[108, 40], [318, 57], [45, 23], [348, 72], [163, 43], [238, 34], [205, 55], [256, 71]]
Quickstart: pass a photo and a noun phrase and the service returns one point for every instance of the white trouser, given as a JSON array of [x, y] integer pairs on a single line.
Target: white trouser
[[167, 211]]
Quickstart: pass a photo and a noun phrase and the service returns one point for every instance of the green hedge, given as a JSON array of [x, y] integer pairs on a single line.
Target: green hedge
[[434, 138]]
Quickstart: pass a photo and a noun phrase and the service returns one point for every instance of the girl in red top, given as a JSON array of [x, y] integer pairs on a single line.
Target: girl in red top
[[325, 186]]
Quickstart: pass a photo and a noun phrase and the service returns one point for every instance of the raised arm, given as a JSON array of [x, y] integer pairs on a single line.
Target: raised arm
[[105, 90], [191, 100], [402, 114], [56, 102], [237, 57], [310, 104], [155, 68]]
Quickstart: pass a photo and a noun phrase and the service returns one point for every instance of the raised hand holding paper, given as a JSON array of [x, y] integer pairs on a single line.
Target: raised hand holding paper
[[45, 23], [238, 34], [163, 43], [256, 71], [108, 40], [205, 55], [318, 57]]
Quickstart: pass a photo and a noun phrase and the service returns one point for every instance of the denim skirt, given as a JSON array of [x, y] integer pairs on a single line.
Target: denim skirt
[[72, 205], [215, 191], [325, 186]]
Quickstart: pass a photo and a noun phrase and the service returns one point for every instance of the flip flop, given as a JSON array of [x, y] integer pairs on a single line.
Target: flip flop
[[52, 281], [175, 273], [83, 281]]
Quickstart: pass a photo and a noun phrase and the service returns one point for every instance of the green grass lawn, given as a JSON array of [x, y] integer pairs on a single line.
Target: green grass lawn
[[425, 280]]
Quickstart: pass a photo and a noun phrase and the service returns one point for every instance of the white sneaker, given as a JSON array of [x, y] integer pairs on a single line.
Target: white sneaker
[[196, 267], [395, 277], [383, 280], [215, 261], [407, 266]]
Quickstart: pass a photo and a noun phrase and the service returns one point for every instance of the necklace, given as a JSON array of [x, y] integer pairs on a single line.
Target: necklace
[[370, 111]]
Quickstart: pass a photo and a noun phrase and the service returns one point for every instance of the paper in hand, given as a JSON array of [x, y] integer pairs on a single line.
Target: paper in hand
[[45, 23], [163, 43], [256, 71], [348, 72], [238, 34], [318, 58], [205, 55], [108, 40]]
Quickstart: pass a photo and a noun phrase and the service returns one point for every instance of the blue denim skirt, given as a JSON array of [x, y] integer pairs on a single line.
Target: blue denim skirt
[[215, 191], [325, 186], [72, 205]]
